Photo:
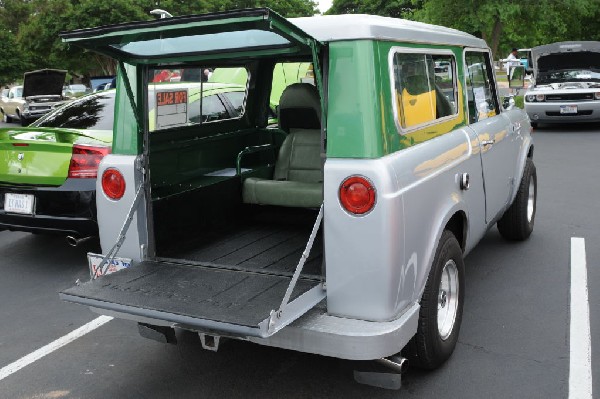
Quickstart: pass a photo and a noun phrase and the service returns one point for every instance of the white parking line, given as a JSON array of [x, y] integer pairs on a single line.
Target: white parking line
[[580, 366], [52, 346]]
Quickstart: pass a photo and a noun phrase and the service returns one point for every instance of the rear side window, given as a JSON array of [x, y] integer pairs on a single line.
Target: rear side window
[[194, 95], [425, 88], [481, 96]]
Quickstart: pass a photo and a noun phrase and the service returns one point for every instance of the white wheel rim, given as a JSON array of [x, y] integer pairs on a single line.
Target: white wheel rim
[[447, 300], [530, 201]]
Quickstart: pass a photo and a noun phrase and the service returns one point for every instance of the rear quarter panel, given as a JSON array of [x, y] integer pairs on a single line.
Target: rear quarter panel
[[377, 264]]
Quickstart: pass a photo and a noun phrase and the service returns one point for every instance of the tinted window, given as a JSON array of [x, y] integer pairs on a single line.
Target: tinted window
[[236, 99], [94, 112], [212, 110], [424, 88], [190, 95], [480, 88]]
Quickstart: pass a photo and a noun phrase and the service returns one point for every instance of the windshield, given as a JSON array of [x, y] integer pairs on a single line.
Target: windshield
[[570, 75], [92, 112]]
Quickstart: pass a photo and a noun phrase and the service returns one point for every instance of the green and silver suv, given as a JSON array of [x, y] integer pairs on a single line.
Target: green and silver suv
[[341, 229]]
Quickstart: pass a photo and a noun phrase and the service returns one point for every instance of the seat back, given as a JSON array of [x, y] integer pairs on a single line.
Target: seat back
[[300, 115]]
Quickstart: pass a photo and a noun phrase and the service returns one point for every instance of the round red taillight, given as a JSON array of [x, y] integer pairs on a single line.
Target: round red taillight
[[113, 184], [357, 195]]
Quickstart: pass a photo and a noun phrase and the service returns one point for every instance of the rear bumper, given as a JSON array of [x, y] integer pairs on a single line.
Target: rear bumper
[[321, 334], [69, 209]]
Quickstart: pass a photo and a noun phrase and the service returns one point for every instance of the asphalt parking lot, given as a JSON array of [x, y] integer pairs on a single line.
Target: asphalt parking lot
[[516, 339]]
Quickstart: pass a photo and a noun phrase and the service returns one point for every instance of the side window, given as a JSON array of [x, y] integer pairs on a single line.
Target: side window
[[425, 88], [190, 95], [236, 99], [481, 94]]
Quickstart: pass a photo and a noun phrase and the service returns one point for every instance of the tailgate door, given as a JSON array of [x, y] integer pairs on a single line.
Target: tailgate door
[[252, 32], [236, 302]]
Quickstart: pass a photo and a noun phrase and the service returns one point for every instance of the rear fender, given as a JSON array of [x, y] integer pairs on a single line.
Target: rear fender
[[112, 214]]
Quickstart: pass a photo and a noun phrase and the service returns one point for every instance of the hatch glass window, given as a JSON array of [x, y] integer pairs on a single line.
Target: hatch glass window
[[482, 102], [424, 88], [194, 95]]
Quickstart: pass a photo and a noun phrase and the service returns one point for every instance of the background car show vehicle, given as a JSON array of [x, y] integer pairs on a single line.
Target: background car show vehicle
[[41, 92], [566, 83], [48, 185], [342, 230], [48, 176]]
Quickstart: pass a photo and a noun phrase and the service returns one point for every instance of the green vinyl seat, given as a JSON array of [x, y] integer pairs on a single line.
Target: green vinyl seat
[[297, 180]]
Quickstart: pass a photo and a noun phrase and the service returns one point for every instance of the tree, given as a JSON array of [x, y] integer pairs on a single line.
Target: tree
[[393, 8], [47, 18], [12, 63], [504, 24]]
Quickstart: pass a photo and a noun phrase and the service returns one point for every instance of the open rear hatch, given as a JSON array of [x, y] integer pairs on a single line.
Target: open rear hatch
[[233, 298], [237, 301]]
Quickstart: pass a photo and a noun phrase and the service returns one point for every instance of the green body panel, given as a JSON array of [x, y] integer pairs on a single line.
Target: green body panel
[[126, 137], [354, 115], [360, 120], [46, 153]]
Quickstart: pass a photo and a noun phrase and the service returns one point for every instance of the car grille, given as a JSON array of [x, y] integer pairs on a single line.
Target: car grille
[[570, 97], [39, 107]]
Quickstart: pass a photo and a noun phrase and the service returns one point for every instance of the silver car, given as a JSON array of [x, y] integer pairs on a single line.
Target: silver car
[[566, 83]]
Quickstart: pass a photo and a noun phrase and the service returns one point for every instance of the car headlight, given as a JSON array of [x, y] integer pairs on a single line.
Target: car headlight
[[539, 97], [530, 98], [25, 107], [597, 95]]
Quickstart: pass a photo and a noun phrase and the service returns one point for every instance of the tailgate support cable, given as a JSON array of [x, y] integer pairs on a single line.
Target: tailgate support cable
[[105, 262], [275, 315]]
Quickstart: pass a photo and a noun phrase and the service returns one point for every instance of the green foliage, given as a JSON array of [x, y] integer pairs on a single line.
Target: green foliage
[[12, 63], [33, 27], [391, 8]]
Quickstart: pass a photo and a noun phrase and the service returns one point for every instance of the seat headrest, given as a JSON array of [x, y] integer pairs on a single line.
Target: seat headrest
[[299, 107]]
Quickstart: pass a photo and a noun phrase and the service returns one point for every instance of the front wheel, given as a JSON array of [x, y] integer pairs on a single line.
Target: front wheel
[[441, 307], [517, 222], [24, 122], [6, 118]]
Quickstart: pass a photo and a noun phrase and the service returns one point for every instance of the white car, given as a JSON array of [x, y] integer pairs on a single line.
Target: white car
[[566, 84]]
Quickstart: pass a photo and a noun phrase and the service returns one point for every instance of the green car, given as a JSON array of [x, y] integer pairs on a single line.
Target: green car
[[48, 170]]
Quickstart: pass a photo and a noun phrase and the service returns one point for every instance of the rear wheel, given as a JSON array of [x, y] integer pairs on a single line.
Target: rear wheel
[[6, 118], [441, 307], [518, 220]]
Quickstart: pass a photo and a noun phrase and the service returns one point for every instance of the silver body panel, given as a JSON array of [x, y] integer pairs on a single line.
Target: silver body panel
[[112, 214]]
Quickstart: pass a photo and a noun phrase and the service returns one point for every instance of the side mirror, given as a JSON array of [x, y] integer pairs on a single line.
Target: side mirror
[[516, 77]]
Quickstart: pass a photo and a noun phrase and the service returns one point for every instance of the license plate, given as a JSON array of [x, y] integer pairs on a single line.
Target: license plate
[[568, 109], [114, 265], [18, 203]]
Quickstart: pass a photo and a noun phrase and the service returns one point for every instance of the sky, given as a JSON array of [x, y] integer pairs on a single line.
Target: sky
[[324, 5]]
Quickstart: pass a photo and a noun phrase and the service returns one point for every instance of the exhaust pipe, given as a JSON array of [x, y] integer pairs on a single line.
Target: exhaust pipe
[[72, 241], [397, 363]]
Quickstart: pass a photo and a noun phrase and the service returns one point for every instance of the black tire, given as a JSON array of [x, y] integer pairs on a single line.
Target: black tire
[[430, 347], [534, 125], [24, 122], [517, 222], [6, 118]]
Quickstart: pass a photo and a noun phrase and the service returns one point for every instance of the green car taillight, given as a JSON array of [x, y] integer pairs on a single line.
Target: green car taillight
[[85, 161]]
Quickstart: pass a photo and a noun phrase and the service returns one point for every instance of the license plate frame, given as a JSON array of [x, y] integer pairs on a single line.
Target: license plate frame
[[21, 204], [568, 109]]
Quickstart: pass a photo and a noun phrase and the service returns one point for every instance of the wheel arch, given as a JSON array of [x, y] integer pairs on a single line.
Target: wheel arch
[[457, 225]]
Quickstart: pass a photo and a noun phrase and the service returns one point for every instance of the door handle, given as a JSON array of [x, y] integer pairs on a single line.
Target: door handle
[[487, 142]]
